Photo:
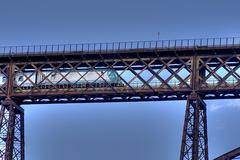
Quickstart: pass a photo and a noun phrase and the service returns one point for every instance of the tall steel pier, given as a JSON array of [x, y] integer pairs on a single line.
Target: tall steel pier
[[191, 69]]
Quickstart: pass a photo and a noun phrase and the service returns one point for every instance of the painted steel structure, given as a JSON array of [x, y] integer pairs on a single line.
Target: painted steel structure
[[233, 154], [192, 70]]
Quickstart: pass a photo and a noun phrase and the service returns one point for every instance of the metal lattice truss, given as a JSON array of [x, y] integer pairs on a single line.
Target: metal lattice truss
[[122, 78], [119, 79], [220, 72], [11, 132], [194, 142]]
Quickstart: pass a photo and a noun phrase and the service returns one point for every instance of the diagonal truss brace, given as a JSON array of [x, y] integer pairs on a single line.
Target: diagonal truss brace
[[233, 154]]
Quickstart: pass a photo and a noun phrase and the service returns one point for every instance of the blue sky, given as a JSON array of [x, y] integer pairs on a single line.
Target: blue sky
[[143, 131]]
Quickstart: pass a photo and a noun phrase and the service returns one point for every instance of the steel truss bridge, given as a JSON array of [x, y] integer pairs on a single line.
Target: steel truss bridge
[[191, 69]]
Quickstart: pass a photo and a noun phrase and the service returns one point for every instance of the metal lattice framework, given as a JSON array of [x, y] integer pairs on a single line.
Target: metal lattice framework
[[192, 70], [194, 141], [11, 133], [140, 77]]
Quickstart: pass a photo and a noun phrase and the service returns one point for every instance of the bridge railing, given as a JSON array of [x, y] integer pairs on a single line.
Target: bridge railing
[[121, 46]]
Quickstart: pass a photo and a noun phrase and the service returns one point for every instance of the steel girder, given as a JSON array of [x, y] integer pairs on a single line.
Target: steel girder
[[140, 78], [231, 155], [146, 76]]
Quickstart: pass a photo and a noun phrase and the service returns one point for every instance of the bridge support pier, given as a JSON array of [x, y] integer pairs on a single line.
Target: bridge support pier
[[11, 131], [194, 139]]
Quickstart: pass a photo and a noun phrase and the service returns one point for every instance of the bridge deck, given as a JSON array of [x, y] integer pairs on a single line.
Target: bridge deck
[[123, 71]]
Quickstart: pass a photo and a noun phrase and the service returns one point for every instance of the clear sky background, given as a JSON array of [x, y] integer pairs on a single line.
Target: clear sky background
[[119, 131]]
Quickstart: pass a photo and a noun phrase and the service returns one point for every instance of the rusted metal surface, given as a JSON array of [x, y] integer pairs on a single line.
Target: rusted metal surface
[[124, 71], [11, 131], [155, 73], [194, 139]]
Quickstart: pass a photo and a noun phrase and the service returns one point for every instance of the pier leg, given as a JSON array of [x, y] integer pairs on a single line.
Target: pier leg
[[11, 131], [194, 139]]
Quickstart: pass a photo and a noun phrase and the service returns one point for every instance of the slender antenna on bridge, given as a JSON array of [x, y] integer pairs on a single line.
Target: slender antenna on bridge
[[158, 36]]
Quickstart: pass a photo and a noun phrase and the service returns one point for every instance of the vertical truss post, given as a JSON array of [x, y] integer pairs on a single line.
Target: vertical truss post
[[11, 124], [11, 131], [195, 139]]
